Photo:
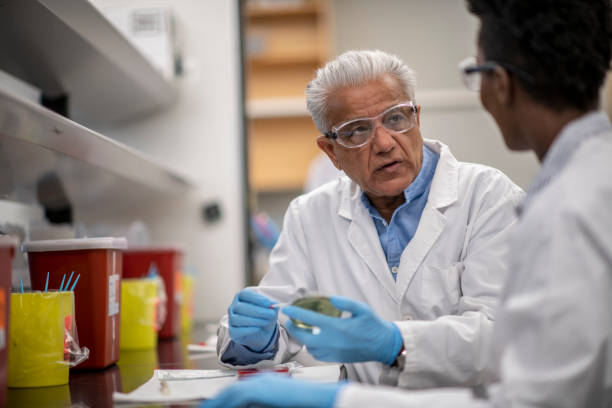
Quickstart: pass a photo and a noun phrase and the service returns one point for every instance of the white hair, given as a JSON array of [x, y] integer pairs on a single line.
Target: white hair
[[354, 68]]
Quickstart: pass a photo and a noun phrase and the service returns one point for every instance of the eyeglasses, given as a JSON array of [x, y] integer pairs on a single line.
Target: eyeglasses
[[471, 72], [357, 132]]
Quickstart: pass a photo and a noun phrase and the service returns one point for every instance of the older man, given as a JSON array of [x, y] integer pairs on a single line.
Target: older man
[[411, 232], [540, 67]]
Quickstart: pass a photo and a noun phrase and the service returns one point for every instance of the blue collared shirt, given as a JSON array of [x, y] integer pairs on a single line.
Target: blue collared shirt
[[395, 235]]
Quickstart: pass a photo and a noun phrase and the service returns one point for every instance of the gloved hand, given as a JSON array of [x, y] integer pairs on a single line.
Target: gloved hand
[[362, 337], [273, 390], [252, 323]]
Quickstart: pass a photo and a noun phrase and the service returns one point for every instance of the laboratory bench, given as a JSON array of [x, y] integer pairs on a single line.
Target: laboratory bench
[[94, 388]]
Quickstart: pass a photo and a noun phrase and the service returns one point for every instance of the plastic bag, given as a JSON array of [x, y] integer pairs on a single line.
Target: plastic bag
[[43, 339]]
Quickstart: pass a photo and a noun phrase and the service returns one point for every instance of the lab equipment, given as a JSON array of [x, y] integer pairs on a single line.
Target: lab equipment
[[98, 262], [43, 339], [75, 282], [281, 369], [361, 337], [188, 283], [319, 304], [7, 252], [265, 229], [68, 281], [138, 313], [138, 262], [190, 385], [178, 375]]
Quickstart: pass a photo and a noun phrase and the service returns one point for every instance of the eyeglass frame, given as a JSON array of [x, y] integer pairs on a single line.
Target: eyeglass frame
[[333, 133], [468, 66]]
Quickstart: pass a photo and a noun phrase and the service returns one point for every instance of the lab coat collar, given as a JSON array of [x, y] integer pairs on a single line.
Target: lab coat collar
[[444, 186], [363, 236], [563, 148]]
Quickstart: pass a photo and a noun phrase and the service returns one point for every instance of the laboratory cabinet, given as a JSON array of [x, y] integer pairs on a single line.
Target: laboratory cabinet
[[68, 50], [285, 42]]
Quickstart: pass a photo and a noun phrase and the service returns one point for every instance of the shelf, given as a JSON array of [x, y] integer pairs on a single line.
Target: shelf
[[307, 9], [283, 60], [292, 144], [279, 81], [276, 108], [96, 171], [287, 41], [68, 47], [430, 99]]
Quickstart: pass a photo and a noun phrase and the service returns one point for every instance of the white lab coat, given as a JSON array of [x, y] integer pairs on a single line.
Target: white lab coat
[[449, 279], [553, 334]]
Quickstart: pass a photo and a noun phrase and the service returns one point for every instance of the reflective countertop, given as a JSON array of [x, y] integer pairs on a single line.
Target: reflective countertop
[[135, 367]]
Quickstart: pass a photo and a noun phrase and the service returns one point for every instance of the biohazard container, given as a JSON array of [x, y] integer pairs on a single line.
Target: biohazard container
[[97, 264], [7, 251], [141, 262]]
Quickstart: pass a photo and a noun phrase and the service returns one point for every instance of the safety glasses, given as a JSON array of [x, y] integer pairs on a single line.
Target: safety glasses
[[357, 132], [471, 72]]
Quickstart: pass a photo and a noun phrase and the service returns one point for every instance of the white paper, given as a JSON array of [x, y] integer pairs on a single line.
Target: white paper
[[198, 389], [178, 390], [322, 373], [174, 375]]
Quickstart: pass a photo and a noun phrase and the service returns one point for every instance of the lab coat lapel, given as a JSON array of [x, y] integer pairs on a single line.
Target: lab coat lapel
[[363, 238], [430, 227], [443, 192]]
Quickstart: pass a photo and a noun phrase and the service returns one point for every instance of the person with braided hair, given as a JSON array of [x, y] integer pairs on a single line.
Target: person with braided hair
[[539, 71]]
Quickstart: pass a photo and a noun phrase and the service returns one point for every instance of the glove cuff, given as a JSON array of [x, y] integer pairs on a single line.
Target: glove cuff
[[394, 346], [271, 345]]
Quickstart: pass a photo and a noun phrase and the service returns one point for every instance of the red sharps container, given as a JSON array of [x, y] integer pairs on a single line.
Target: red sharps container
[[138, 263], [7, 251], [96, 262]]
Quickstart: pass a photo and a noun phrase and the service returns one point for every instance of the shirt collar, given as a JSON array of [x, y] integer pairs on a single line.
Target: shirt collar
[[563, 148], [416, 188]]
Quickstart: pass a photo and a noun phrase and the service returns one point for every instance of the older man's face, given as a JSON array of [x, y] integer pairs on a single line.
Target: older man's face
[[386, 165]]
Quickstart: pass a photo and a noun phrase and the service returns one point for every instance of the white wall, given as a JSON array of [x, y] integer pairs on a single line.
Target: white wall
[[432, 36], [200, 137]]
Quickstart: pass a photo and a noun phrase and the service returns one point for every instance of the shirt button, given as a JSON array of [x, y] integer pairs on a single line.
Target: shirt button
[[394, 269], [406, 317]]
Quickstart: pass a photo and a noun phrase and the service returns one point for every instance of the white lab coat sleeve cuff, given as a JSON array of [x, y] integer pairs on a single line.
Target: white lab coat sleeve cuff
[[287, 348], [430, 361], [357, 395], [411, 362]]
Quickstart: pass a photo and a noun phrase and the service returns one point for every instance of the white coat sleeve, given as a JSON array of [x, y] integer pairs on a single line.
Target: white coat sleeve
[[452, 350], [554, 320], [288, 278], [357, 395]]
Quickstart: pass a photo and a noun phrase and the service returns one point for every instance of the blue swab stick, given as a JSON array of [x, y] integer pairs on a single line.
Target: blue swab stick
[[62, 284], [68, 281], [47, 282], [75, 281], [21, 283]]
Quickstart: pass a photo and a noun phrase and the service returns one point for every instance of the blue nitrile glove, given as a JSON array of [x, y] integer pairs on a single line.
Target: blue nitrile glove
[[273, 390], [252, 323], [362, 337]]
